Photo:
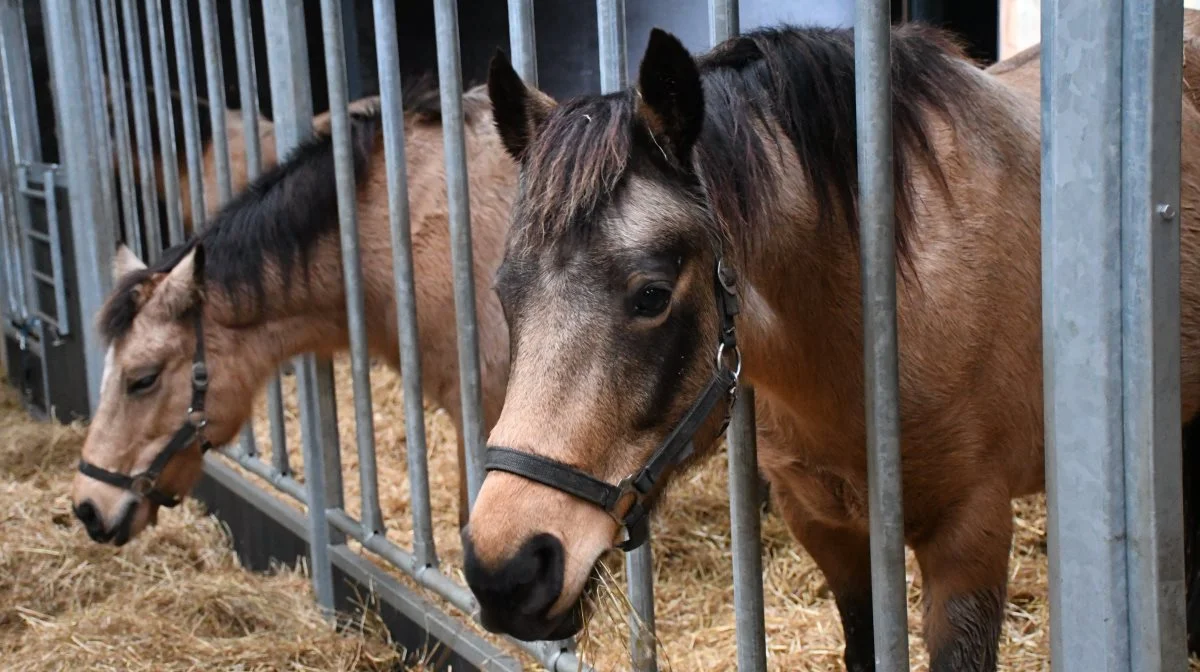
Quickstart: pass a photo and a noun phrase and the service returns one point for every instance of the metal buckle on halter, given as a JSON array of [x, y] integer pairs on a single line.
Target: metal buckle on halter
[[197, 419], [141, 485], [200, 376], [624, 488]]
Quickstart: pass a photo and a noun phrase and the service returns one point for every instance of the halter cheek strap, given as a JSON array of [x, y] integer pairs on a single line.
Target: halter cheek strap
[[145, 483], [640, 488]]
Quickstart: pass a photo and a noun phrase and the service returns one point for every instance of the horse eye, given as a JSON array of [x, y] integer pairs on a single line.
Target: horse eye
[[142, 384], [651, 300]]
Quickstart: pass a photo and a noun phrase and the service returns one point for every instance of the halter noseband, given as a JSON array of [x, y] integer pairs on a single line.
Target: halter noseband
[[644, 484], [145, 484]]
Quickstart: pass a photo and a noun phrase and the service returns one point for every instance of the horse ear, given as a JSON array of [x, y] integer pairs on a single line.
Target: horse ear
[[518, 110], [670, 96], [179, 290], [124, 263]]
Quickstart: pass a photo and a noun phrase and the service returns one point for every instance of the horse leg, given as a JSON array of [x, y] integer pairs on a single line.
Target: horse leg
[[1191, 530], [843, 554], [964, 567]]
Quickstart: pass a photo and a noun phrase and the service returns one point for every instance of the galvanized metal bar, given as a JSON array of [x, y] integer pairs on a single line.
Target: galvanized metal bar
[[186, 75], [1152, 54], [287, 56], [744, 503], [11, 308], [614, 66], [1081, 321], [120, 124], [387, 51], [724, 21], [139, 101], [639, 563], [24, 232], [11, 242], [93, 237], [639, 575], [746, 533], [168, 156], [445, 14], [873, 95], [89, 29], [17, 66], [62, 312], [360, 356], [243, 44], [522, 39], [281, 481], [291, 87], [215, 85]]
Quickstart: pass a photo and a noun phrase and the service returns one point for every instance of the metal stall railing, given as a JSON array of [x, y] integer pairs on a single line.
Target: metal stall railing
[[873, 104], [1110, 291], [1111, 333]]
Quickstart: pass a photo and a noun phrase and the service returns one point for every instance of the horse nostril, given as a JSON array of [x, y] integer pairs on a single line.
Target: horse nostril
[[545, 558], [526, 586], [87, 514]]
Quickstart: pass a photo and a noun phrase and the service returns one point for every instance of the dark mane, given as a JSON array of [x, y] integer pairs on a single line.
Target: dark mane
[[423, 101], [276, 220], [798, 79]]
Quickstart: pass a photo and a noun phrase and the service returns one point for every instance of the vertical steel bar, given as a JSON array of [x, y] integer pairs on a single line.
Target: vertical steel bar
[[186, 75], [9, 253], [462, 258], [614, 67], [360, 362], [744, 512], [724, 21], [522, 39], [168, 156], [120, 116], [746, 532], [1081, 311], [89, 29], [62, 314], [243, 43], [215, 85], [639, 563], [1151, 125], [139, 101], [387, 52], [19, 115], [93, 237], [22, 110], [287, 56], [872, 68]]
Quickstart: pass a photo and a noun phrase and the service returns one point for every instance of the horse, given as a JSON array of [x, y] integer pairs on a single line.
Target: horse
[[699, 229], [262, 282]]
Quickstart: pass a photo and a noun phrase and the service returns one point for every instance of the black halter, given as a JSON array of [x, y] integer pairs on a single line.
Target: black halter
[[674, 450], [191, 431]]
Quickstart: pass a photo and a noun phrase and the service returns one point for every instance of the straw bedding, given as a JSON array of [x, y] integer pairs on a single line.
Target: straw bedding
[[692, 562], [175, 599]]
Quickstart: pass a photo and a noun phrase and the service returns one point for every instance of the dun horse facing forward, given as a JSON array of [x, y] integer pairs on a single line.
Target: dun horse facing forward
[[263, 283], [721, 191]]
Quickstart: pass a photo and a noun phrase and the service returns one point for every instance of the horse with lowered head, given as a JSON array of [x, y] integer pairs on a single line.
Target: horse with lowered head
[[262, 283], [721, 191]]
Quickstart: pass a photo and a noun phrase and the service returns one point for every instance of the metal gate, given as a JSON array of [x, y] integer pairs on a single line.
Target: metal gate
[[1110, 194]]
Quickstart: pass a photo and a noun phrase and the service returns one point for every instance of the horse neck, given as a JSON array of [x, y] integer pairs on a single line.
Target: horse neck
[[305, 313]]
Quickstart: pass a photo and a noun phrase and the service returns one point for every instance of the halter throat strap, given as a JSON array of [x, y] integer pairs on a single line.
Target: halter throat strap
[[145, 483], [640, 488]]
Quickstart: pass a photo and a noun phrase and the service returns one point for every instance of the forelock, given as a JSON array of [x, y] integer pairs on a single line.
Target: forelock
[[576, 165]]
